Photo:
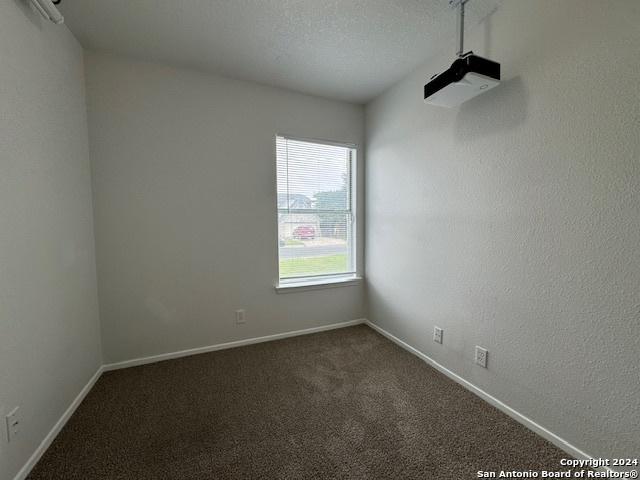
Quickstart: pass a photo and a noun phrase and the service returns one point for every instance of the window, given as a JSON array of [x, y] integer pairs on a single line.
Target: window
[[316, 206]]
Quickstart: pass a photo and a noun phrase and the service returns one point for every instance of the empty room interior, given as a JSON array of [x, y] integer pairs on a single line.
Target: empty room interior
[[319, 239]]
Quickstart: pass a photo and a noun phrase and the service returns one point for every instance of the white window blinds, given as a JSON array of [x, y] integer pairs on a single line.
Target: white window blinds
[[316, 221]]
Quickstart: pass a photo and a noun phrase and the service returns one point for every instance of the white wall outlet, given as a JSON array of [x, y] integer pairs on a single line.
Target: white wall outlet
[[437, 334], [481, 356], [240, 317], [13, 421]]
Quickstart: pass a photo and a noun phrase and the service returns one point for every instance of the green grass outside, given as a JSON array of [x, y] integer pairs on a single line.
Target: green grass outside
[[292, 243], [295, 267]]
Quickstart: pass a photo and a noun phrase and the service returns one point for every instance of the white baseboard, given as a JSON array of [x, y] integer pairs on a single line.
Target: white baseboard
[[26, 469], [223, 346], [517, 416], [527, 422]]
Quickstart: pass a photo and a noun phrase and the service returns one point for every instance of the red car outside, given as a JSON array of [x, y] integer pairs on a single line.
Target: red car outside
[[304, 232]]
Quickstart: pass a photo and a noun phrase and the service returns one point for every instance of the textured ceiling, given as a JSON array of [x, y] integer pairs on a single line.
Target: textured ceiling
[[343, 49]]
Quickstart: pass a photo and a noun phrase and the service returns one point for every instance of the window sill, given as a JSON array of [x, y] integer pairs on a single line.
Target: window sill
[[304, 286]]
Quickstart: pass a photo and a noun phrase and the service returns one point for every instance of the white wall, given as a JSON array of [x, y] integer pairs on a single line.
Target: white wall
[[49, 331], [185, 206], [513, 222]]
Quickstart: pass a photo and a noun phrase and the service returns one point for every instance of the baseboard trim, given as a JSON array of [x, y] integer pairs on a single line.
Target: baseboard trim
[[517, 416], [59, 425], [223, 346]]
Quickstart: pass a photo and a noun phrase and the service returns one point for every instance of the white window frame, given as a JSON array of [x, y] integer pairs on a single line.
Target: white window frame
[[287, 285]]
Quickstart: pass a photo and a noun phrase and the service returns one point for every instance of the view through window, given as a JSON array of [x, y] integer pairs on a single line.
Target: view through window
[[315, 209]]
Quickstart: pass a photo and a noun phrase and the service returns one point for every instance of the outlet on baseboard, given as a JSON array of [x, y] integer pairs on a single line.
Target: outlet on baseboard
[[13, 421], [481, 356], [240, 317], [437, 334]]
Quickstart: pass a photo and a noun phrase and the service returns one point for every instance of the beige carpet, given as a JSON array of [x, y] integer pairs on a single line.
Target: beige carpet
[[341, 404]]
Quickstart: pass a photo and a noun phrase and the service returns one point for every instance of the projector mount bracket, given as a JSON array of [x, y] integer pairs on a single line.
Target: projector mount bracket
[[460, 4]]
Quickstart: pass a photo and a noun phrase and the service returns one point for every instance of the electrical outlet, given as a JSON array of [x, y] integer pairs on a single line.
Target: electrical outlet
[[13, 424], [437, 334], [240, 317], [481, 356]]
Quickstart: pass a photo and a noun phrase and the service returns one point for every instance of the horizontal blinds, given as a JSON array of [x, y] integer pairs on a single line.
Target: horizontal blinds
[[315, 220]]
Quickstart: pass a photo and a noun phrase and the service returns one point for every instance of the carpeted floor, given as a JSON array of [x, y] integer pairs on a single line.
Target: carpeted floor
[[341, 404]]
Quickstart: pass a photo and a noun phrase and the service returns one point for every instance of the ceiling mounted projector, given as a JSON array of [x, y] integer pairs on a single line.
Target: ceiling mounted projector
[[468, 76], [48, 10]]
